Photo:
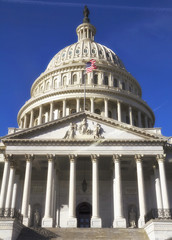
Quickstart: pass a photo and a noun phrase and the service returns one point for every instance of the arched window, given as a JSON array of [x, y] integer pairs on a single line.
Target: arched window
[[74, 79], [64, 80], [123, 85], [109, 114], [97, 111], [96, 79], [115, 82], [47, 85], [106, 80]]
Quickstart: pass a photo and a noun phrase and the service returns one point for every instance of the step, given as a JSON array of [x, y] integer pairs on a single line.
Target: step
[[82, 233]]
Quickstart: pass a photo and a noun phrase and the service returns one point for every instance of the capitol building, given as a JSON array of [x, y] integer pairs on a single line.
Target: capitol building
[[86, 153]]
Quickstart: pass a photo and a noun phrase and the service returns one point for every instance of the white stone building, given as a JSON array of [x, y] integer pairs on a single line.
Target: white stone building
[[87, 155]]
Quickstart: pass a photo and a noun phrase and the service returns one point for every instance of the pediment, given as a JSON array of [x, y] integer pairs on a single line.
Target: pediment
[[84, 126]]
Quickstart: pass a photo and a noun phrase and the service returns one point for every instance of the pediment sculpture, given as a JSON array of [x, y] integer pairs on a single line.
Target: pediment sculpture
[[84, 130]]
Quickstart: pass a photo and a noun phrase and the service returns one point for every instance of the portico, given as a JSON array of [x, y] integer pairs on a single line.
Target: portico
[[101, 174]]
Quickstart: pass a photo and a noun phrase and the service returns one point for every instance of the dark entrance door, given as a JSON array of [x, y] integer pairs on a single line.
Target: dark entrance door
[[83, 215]]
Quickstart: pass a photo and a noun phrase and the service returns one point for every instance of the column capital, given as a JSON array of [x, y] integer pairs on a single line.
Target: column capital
[[12, 164], [116, 157], [94, 157], [8, 157], [51, 157], [29, 157], [138, 157], [160, 157], [72, 157]]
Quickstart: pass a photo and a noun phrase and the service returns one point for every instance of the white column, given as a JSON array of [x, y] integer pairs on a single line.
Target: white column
[[14, 196], [165, 201], [31, 119], [92, 105], [130, 115], [25, 121], [51, 111], [4, 183], [157, 188], [106, 107], [57, 200], [26, 189], [72, 221], [96, 221], [77, 105], [46, 117], [141, 191], [40, 115], [10, 188], [47, 221], [64, 108], [119, 111], [139, 119], [119, 221]]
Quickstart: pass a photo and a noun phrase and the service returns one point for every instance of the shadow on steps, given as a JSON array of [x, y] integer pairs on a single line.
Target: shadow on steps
[[36, 234]]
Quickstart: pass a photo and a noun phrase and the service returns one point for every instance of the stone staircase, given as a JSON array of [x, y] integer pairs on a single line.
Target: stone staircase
[[82, 233]]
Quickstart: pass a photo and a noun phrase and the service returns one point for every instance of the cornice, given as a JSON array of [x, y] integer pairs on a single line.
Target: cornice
[[109, 121], [90, 89], [73, 142]]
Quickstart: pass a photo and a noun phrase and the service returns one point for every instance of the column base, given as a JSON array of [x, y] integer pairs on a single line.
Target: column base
[[119, 223], [96, 222], [141, 222], [72, 223], [47, 222], [26, 222], [159, 229]]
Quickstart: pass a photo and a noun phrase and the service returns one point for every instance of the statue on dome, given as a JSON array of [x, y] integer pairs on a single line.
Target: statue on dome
[[86, 12]]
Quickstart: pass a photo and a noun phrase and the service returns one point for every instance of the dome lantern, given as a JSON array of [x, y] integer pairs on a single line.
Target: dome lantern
[[86, 30]]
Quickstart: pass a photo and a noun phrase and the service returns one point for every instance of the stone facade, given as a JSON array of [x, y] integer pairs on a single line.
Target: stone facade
[[86, 153]]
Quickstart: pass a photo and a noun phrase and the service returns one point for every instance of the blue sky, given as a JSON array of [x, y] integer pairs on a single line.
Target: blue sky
[[33, 31]]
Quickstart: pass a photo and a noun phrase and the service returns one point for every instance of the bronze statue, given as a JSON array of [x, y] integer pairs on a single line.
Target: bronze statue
[[86, 13]]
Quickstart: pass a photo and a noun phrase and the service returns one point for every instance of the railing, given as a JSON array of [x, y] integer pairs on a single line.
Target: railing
[[11, 213], [156, 213]]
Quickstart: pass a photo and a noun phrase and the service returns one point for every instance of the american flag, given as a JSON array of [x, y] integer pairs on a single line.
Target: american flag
[[91, 65]]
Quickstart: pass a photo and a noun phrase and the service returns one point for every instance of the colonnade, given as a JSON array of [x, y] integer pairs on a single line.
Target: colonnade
[[142, 120], [9, 190]]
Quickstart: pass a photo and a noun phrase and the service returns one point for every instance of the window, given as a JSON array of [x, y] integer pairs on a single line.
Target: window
[[96, 79], [47, 85], [93, 51], [109, 114], [123, 85], [85, 50], [97, 111], [64, 80], [115, 82], [127, 119], [73, 111], [74, 79], [106, 80]]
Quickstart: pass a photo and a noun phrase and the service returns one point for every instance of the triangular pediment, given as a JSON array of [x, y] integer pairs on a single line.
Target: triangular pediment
[[84, 126]]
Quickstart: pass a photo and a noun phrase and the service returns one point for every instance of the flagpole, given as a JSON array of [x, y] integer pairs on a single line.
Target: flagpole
[[84, 90]]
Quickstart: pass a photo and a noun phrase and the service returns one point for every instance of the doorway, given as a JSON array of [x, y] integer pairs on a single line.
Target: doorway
[[84, 212]]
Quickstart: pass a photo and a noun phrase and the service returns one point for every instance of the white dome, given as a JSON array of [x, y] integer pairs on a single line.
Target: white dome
[[83, 50]]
